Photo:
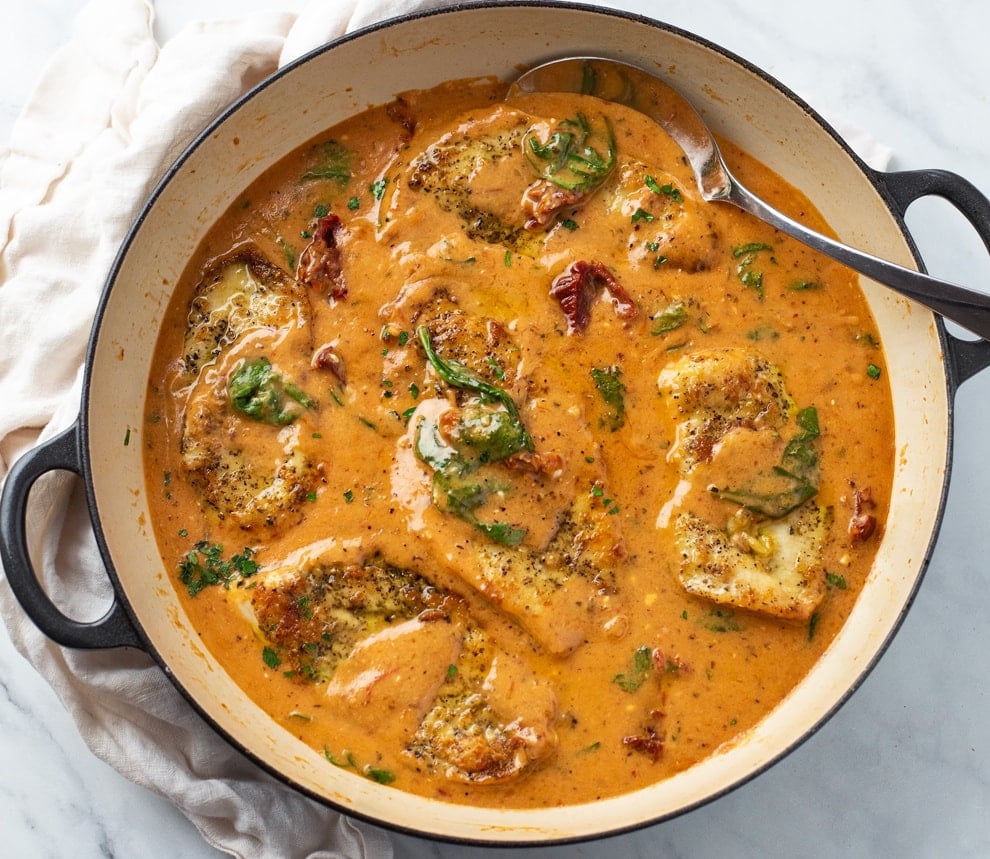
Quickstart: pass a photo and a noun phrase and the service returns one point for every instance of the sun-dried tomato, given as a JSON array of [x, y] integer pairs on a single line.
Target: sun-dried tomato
[[647, 743], [862, 525], [327, 358], [543, 201], [576, 288], [320, 262]]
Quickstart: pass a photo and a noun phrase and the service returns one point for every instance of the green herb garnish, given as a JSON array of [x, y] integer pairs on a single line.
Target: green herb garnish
[[721, 620], [335, 164], [746, 255], [834, 580], [260, 393], [378, 774], [488, 431], [798, 468], [667, 190], [642, 663], [377, 188], [613, 394], [577, 156], [670, 318], [204, 565], [457, 375]]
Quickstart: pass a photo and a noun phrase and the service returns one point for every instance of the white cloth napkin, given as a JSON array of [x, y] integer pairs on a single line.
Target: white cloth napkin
[[110, 113]]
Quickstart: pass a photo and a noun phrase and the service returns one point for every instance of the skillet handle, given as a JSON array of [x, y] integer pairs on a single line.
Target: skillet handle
[[966, 358], [114, 629]]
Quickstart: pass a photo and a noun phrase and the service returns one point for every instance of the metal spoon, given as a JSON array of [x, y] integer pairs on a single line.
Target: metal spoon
[[617, 81]]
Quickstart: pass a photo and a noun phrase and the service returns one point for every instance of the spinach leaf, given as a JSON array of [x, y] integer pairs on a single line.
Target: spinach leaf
[[335, 164], [576, 156], [459, 487], [798, 467], [632, 679], [493, 433], [457, 375], [613, 394], [258, 392], [746, 256]]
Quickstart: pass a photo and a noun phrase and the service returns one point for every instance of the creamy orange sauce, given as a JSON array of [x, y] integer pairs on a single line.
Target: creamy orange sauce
[[558, 586]]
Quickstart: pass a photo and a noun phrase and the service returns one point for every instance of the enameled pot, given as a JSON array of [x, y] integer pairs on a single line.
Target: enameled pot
[[741, 103]]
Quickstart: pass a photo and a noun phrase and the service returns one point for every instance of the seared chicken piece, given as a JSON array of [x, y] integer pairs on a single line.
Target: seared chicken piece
[[491, 720], [240, 293], [478, 172], [560, 593], [661, 220], [547, 543], [509, 175], [559, 581], [708, 393], [744, 523], [391, 678], [545, 539], [774, 566], [479, 342], [393, 648], [255, 476], [243, 438], [314, 614]]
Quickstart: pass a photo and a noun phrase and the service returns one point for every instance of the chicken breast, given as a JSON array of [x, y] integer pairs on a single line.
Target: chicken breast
[[237, 294], [745, 522], [398, 654], [537, 535], [774, 566], [562, 593], [247, 426], [492, 719], [710, 392], [659, 219]]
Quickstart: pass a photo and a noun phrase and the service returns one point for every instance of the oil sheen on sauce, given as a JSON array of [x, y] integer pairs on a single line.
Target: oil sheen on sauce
[[495, 464]]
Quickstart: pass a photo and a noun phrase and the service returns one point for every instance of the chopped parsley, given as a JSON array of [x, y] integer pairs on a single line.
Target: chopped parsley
[[836, 581], [669, 318], [271, 658], [377, 188], [377, 774], [667, 190], [204, 565]]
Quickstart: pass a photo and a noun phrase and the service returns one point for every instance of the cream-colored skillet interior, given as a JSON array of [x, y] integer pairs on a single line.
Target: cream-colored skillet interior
[[497, 40]]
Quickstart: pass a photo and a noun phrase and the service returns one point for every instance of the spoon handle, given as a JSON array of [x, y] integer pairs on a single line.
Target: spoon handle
[[964, 306]]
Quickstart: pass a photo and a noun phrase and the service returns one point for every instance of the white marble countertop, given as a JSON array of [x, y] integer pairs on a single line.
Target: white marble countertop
[[903, 769]]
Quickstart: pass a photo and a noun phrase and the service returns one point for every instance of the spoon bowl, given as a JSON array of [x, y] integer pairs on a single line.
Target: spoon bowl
[[621, 82]]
